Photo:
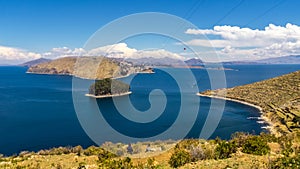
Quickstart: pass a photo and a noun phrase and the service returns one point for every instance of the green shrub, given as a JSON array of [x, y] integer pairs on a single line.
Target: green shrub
[[179, 158], [56, 151], [287, 163], [239, 138], [268, 137], [202, 152], [256, 145], [93, 150], [100, 152], [117, 164], [224, 149], [188, 143]]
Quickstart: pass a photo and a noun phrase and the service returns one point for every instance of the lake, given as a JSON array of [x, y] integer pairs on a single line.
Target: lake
[[37, 111]]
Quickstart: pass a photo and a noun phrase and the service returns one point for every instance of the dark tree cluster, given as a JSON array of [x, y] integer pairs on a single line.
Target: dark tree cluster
[[108, 87]]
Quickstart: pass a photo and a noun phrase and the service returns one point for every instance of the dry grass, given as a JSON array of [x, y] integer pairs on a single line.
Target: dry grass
[[279, 98]]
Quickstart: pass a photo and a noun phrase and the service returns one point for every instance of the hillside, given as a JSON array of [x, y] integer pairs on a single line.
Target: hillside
[[278, 97], [86, 67]]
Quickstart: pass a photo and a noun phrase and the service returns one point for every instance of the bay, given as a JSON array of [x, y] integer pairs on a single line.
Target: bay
[[37, 111]]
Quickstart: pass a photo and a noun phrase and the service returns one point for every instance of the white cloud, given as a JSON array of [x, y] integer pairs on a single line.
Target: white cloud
[[9, 55], [272, 41], [159, 53], [63, 52], [228, 49], [121, 50]]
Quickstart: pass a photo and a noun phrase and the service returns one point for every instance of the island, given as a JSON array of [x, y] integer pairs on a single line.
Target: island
[[108, 88]]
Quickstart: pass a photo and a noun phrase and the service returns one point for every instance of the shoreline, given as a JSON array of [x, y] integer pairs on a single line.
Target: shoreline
[[72, 75], [108, 96], [270, 126]]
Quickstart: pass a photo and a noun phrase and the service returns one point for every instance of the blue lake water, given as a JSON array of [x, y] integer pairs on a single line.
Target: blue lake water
[[37, 111]]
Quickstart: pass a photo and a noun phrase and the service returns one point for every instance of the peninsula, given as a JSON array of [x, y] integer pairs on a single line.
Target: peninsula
[[88, 67], [277, 98]]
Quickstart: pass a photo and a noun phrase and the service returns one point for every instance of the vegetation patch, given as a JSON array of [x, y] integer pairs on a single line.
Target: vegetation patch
[[108, 87]]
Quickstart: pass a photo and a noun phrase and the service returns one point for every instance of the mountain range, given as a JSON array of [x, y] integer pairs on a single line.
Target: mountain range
[[294, 59], [35, 62], [64, 65]]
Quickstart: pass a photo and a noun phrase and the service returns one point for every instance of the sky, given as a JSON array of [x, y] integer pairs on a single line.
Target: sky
[[237, 29]]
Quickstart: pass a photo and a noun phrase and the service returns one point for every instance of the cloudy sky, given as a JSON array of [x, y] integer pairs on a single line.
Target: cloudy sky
[[236, 29]]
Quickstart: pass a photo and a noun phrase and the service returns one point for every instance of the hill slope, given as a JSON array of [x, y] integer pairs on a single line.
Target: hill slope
[[278, 97], [86, 67]]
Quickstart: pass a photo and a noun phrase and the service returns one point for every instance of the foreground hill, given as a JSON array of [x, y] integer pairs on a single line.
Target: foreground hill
[[86, 67], [278, 97]]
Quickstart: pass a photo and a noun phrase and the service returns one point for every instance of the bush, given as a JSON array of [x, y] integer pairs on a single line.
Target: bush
[[268, 137], [179, 158], [224, 149], [287, 162], [202, 152], [239, 138], [56, 151], [188, 143], [256, 145], [77, 150], [116, 164], [92, 150]]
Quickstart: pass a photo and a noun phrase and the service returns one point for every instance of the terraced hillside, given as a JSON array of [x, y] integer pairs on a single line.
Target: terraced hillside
[[278, 97], [87, 67]]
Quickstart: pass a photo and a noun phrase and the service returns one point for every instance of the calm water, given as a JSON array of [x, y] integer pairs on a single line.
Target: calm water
[[37, 111]]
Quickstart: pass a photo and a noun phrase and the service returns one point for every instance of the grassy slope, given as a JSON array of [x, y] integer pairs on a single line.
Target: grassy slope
[[278, 97]]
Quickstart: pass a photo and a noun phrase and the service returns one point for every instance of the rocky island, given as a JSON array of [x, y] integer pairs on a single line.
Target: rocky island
[[108, 88]]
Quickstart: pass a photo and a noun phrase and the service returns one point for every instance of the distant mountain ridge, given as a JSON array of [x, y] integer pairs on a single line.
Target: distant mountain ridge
[[193, 62], [43, 65], [294, 59], [35, 62]]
